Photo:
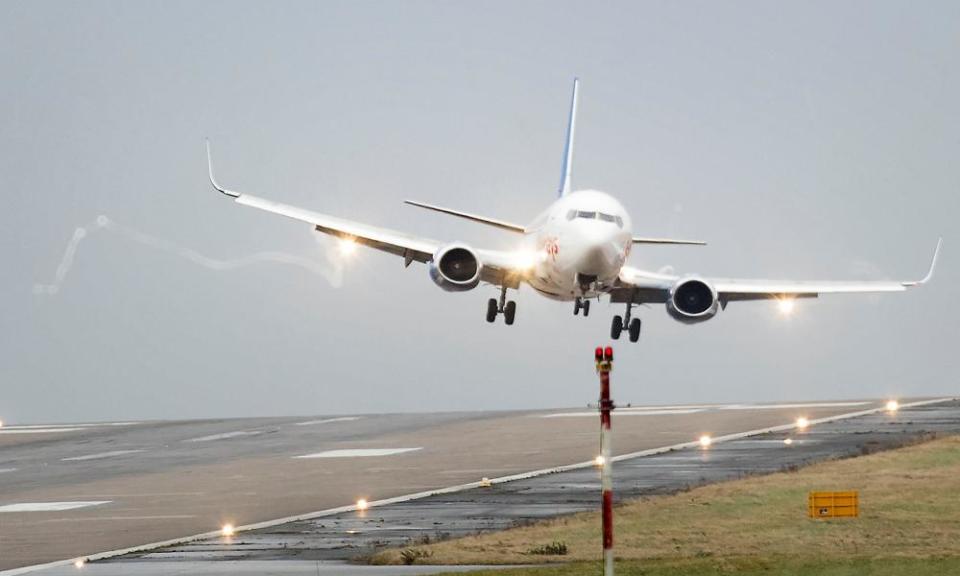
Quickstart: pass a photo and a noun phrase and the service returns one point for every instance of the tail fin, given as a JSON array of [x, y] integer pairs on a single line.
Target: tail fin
[[568, 146]]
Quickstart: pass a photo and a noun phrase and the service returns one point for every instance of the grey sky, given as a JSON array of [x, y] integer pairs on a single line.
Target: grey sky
[[803, 140]]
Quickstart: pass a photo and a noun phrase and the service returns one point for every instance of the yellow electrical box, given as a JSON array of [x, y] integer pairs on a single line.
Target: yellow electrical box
[[833, 504]]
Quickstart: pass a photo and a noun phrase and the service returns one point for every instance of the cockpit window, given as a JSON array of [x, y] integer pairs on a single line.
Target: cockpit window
[[595, 216]]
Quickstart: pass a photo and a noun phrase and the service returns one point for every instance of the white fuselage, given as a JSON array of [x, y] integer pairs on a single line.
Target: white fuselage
[[582, 240]]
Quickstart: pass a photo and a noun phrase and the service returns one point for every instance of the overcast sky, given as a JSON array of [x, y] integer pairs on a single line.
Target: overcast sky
[[806, 140]]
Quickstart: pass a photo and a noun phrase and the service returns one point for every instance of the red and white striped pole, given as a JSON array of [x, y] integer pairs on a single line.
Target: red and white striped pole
[[604, 361]]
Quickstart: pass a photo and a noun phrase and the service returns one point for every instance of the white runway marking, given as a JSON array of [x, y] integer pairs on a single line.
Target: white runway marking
[[624, 412], [49, 506], [2, 470], [100, 455], [359, 453], [6, 430], [121, 518], [41, 426], [328, 421], [225, 436], [786, 406]]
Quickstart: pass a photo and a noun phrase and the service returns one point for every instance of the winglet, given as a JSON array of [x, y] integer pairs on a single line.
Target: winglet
[[568, 145], [213, 180], [933, 265]]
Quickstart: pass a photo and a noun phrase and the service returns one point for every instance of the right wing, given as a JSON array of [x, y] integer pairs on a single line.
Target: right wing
[[641, 286], [499, 267], [481, 219]]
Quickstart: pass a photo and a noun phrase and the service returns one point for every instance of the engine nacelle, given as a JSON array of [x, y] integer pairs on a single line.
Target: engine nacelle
[[693, 300], [456, 268]]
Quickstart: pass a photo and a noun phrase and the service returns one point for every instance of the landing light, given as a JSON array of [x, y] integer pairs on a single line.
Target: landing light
[[705, 441], [347, 246], [1, 423], [527, 259], [893, 406], [598, 461], [228, 530], [788, 441], [79, 563], [802, 423], [786, 306], [362, 504]]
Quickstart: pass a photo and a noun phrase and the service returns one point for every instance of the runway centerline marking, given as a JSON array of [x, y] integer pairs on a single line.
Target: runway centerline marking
[[327, 421], [2, 470], [226, 435], [100, 455], [50, 506], [359, 452]]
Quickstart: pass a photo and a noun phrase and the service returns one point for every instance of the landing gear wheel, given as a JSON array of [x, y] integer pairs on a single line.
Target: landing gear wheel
[[586, 307], [491, 309], [509, 312], [577, 304], [616, 327], [634, 329]]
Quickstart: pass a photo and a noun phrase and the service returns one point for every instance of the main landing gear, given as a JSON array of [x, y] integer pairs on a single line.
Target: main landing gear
[[508, 309], [621, 323], [581, 304]]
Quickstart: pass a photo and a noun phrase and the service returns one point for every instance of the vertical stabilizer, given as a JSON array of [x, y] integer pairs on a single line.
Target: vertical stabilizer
[[568, 146]]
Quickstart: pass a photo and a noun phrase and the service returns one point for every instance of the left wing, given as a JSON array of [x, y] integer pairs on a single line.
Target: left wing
[[499, 267], [640, 286]]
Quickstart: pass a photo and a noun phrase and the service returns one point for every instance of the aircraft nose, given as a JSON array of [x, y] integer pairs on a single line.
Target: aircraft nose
[[601, 255]]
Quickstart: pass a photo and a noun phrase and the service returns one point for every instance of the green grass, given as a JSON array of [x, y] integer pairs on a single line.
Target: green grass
[[909, 524], [748, 567]]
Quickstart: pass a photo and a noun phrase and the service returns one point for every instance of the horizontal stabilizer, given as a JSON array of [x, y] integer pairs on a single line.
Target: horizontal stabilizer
[[639, 240], [468, 216]]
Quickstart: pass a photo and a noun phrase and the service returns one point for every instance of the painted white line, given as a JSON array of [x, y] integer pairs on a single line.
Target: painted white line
[[119, 518], [49, 506], [5, 430], [100, 455], [225, 436], [359, 453], [2, 470], [625, 412], [41, 426], [439, 491], [328, 421], [789, 406]]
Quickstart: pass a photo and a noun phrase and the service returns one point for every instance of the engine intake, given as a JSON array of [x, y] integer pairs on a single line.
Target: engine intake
[[456, 268], [692, 300]]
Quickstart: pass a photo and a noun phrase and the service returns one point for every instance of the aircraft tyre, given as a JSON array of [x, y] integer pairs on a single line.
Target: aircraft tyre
[[509, 312], [491, 309], [634, 329], [616, 327]]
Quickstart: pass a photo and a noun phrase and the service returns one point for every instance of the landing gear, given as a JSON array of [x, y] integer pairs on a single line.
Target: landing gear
[[508, 309], [581, 304], [621, 323]]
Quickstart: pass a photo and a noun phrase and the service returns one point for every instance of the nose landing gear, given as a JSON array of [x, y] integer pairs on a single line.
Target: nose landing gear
[[508, 309], [620, 323], [581, 304]]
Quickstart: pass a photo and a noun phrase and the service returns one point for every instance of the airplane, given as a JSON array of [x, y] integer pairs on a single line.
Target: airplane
[[575, 250]]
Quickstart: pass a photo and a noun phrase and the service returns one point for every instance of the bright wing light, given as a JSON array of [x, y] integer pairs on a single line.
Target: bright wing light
[[802, 423], [598, 461], [362, 504], [228, 530], [528, 259], [347, 247], [893, 406], [705, 441], [786, 305]]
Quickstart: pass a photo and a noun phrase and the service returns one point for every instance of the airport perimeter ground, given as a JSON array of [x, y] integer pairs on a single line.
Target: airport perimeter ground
[[910, 524], [69, 491]]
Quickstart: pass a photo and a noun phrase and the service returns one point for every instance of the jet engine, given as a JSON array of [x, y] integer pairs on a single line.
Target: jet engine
[[455, 268], [692, 300]]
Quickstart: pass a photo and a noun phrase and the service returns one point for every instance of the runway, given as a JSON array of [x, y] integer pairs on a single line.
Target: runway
[[75, 490]]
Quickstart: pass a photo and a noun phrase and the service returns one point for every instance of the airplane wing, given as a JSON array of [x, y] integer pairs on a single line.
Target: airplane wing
[[499, 267], [640, 286]]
